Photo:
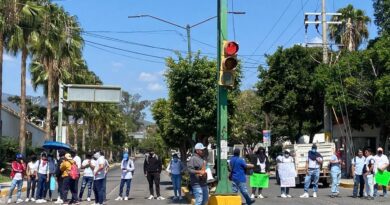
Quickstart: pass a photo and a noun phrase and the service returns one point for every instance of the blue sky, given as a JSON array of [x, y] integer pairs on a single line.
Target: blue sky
[[266, 25]]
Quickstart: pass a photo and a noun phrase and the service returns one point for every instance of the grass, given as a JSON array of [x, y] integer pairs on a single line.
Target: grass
[[4, 178]]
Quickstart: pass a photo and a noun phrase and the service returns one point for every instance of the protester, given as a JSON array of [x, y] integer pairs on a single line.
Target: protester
[[261, 162], [381, 164], [32, 171], [238, 168], [313, 164], [106, 169], [67, 169], [357, 172], [52, 172], [286, 158], [99, 173], [61, 154], [198, 178], [18, 168], [335, 172], [152, 171], [368, 173], [176, 168], [43, 178], [77, 160], [87, 177], [127, 167]]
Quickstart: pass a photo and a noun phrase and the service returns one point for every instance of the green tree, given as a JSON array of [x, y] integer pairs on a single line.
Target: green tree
[[382, 13], [354, 30], [287, 91]]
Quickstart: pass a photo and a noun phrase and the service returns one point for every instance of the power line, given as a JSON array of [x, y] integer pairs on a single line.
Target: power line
[[130, 32], [233, 22]]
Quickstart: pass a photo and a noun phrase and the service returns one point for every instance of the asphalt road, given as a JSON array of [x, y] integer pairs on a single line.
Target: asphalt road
[[139, 192]]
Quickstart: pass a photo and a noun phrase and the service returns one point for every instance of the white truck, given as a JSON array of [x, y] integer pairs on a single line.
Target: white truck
[[300, 155]]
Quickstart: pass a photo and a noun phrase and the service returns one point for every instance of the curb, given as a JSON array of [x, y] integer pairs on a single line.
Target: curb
[[5, 192], [350, 186], [187, 195]]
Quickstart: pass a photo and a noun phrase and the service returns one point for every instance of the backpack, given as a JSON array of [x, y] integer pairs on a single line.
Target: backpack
[[74, 172], [365, 168]]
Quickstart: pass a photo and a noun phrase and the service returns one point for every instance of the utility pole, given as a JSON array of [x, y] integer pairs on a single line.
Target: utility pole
[[60, 108], [324, 22], [224, 186]]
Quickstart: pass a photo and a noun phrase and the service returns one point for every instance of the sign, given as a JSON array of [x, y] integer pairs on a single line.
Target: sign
[[287, 174], [259, 180], [382, 178], [267, 137], [94, 93], [224, 149]]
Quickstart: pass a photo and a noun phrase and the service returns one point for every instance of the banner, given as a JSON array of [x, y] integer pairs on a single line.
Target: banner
[[267, 137], [382, 178], [259, 180], [287, 174]]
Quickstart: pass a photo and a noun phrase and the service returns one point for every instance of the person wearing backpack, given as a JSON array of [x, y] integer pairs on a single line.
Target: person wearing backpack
[[18, 169], [357, 173], [176, 167], [127, 167], [261, 163], [70, 173], [368, 173], [43, 178]]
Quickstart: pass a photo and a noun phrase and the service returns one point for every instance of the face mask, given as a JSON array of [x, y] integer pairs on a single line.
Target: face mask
[[151, 153], [96, 155], [286, 155], [314, 150], [175, 159], [380, 152]]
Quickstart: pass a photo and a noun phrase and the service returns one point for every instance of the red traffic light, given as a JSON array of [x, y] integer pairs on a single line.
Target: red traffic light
[[231, 48]]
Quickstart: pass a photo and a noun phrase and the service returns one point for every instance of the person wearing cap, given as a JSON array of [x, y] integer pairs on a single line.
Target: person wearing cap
[[381, 164], [261, 166], [238, 168], [176, 167], [127, 167], [68, 182], [357, 172], [152, 171], [18, 169], [313, 165], [335, 172], [196, 167], [87, 176], [284, 159]]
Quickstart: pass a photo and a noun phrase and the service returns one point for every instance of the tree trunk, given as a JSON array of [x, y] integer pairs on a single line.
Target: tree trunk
[[83, 140], [75, 138], [22, 127], [49, 99], [1, 80], [351, 46], [384, 136], [183, 153]]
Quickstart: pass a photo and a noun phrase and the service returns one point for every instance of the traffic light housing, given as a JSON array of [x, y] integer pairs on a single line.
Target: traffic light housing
[[229, 63]]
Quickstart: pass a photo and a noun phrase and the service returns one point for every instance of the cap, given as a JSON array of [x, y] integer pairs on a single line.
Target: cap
[[287, 150], [199, 146], [380, 149], [68, 156], [125, 156]]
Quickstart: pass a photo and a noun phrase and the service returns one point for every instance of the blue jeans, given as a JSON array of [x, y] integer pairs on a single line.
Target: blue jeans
[[41, 186], [313, 175], [176, 182], [358, 180], [19, 184], [123, 182], [243, 189], [384, 188], [336, 177], [104, 188], [31, 184], [98, 191], [86, 181], [201, 194], [285, 190]]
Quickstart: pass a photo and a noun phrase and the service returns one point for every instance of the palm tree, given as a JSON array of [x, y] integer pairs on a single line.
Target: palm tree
[[354, 30], [27, 14]]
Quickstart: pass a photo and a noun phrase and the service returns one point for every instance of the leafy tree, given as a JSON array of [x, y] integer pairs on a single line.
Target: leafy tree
[[354, 30], [382, 13], [287, 91]]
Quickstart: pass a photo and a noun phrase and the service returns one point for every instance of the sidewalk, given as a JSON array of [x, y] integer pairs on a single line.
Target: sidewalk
[[348, 183]]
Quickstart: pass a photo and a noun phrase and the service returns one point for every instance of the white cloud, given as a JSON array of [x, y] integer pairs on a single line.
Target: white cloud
[[154, 87], [148, 77], [8, 58]]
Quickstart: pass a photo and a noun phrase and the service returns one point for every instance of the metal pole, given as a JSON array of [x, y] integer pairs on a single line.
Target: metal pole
[[60, 105], [188, 28], [224, 186], [327, 116]]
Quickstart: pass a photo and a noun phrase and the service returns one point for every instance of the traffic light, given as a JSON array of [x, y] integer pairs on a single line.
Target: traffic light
[[229, 63]]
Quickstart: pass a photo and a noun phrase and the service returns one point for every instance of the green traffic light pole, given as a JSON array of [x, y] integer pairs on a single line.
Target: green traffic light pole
[[223, 186]]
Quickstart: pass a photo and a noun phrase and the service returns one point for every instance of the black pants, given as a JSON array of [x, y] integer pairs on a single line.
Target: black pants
[[31, 183], [154, 177], [60, 181], [47, 189], [68, 184]]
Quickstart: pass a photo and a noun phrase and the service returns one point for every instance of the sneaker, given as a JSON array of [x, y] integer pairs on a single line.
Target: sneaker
[[260, 196], [19, 201], [33, 199], [180, 198], [252, 201], [126, 198], [283, 196], [160, 198], [9, 201], [150, 197], [252, 196], [119, 198], [174, 198], [39, 201], [59, 201], [314, 194], [27, 200], [88, 199], [289, 196], [386, 195], [44, 201], [305, 195]]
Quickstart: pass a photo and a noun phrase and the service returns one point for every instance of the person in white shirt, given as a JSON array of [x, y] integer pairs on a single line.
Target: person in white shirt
[[368, 173], [43, 178], [32, 171], [381, 164], [286, 159], [127, 167], [87, 177], [313, 165], [357, 172], [99, 174]]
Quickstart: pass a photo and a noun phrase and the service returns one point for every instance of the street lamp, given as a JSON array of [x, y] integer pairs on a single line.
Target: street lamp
[[187, 27]]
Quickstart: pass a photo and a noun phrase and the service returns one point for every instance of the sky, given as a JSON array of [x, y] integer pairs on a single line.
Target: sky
[[130, 52]]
